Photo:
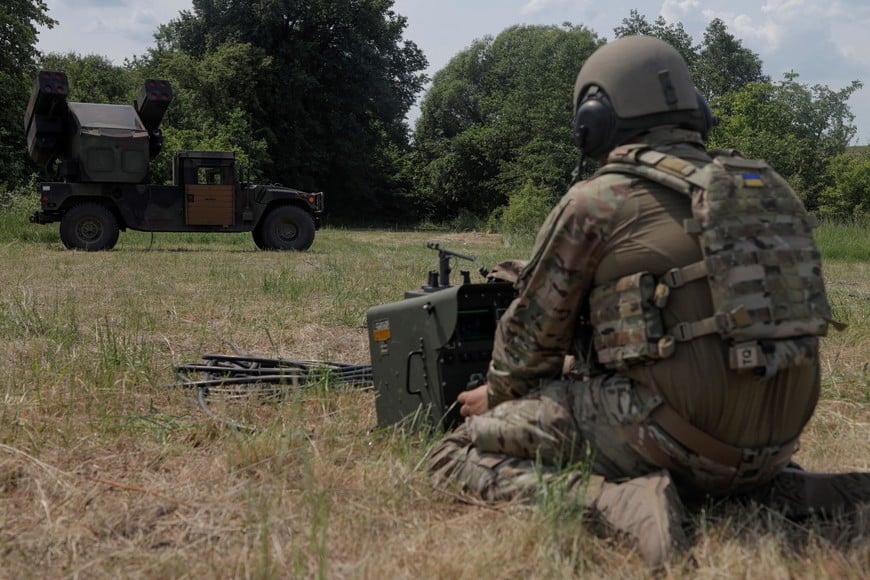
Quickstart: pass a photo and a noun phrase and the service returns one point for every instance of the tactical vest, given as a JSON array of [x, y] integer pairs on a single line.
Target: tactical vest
[[759, 259]]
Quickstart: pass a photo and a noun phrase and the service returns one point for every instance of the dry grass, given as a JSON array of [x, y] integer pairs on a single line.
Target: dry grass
[[107, 469]]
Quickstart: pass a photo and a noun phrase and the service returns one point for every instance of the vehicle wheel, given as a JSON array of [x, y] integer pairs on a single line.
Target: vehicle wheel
[[287, 227], [89, 226], [257, 234]]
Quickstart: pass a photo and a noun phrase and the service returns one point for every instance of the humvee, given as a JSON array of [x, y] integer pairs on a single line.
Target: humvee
[[101, 155]]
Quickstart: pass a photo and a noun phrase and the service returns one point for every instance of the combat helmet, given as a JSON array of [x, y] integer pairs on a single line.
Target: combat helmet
[[629, 86]]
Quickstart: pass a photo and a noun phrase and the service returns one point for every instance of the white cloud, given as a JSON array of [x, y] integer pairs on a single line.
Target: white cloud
[[116, 30], [850, 39], [538, 6], [849, 22], [785, 8], [676, 10], [762, 33]]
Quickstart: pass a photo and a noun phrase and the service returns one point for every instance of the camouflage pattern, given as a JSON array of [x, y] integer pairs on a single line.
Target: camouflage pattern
[[775, 271], [606, 425], [507, 271], [565, 429], [502, 453], [627, 322], [539, 328], [594, 236], [712, 429], [551, 288], [507, 453], [760, 259], [769, 357]]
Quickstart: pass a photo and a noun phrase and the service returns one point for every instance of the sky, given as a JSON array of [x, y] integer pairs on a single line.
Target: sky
[[824, 42]]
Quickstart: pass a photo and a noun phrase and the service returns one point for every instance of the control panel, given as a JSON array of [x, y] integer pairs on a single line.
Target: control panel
[[427, 349]]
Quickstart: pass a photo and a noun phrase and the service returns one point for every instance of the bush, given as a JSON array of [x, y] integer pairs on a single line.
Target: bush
[[16, 205], [526, 210], [848, 191]]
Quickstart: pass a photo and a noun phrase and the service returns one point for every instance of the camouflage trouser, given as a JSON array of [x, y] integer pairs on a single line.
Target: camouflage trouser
[[615, 427], [608, 427], [506, 452]]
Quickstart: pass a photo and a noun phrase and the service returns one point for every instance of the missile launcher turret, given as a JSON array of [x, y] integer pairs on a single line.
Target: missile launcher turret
[[95, 143]]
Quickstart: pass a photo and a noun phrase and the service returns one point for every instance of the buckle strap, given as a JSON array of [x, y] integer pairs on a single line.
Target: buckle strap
[[676, 277], [745, 461], [722, 323], [686, 331]]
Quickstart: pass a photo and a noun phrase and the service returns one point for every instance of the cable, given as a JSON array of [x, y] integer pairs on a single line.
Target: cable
[[239, 376]]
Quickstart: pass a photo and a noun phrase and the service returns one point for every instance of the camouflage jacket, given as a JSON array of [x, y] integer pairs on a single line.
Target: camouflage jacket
[[615, 225], [536, 332]]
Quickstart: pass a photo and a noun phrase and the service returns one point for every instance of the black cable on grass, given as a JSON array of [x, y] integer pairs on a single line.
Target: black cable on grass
[[240, 376]]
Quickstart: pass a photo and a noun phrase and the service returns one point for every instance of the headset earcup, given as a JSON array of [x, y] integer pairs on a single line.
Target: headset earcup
[[594, 127], [708, 120]]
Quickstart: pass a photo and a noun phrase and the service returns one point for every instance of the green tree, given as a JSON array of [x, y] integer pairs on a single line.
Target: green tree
[[674, 34], [847, 193], [19, 20], [497, 117], [93, 78], [213, 105], [326, 85], [723, 64], [796, 128]]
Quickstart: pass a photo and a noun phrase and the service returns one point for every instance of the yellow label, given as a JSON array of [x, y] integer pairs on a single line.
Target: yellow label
[[381, 331]]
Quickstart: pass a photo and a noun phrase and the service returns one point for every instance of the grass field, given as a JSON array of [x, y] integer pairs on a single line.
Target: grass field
[[109, 469]]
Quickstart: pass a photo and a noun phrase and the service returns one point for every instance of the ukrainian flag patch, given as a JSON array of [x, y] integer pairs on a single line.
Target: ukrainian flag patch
[[752, 180]]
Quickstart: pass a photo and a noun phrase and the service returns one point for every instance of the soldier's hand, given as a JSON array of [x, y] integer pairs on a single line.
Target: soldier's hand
[[474, 401]]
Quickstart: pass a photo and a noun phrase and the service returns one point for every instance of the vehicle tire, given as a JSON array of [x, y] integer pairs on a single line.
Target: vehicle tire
[[89, 226], [257, 234], [287, 227]]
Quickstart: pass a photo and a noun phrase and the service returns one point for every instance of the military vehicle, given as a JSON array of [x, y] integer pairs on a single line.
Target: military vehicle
[[101, 153]]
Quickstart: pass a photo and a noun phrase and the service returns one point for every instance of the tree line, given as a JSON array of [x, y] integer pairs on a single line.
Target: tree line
[[315, 95]]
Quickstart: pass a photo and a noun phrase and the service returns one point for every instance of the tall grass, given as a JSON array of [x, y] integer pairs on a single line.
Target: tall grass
[[847, 241], [109, 469]]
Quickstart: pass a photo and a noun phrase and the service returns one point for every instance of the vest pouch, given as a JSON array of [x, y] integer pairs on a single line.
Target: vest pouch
[[766, 357], [627, 325], [760, 261]]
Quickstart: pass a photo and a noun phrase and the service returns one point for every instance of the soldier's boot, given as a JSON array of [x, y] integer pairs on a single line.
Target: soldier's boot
[[648, 511], [799, 494]]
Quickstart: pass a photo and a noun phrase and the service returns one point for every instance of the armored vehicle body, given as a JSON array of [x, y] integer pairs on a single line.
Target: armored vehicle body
[[101, 154]]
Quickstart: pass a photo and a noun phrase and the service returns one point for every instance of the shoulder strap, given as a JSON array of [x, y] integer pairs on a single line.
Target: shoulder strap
[[640, 160], [668, 170]]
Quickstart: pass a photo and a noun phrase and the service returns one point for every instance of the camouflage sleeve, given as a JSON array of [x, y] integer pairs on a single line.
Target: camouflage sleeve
[[535, 332]]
